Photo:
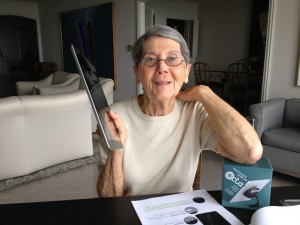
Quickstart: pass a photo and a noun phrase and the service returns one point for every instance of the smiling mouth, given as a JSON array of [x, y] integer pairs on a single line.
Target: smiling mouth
[[162, 83]]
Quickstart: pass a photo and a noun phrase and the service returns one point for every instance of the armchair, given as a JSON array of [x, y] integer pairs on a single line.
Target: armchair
[[56, 83], [277, 122]]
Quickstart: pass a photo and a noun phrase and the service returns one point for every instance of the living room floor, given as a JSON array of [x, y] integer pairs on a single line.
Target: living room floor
[[80, 183]]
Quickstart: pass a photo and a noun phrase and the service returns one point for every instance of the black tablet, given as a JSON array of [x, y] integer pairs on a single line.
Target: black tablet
[[97, 99]]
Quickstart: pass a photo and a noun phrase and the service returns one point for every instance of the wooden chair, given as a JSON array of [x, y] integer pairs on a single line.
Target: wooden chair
[[242, 84], [204, 76], [196, 184], [255, 64]]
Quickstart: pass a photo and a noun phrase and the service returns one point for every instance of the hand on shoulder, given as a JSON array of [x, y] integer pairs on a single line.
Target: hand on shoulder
[[195, 93]]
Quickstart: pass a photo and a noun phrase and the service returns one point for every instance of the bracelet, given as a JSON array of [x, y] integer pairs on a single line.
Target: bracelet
[[113, 180]]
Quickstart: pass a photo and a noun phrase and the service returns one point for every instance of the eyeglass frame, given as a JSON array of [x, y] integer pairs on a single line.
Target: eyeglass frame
[[157, 61]]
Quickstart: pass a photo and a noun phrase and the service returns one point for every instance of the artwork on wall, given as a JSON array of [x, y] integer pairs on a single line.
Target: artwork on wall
[[91, 30]]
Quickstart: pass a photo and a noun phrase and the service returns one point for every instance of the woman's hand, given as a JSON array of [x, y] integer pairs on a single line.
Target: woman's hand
[[191, 94], [116, 127]]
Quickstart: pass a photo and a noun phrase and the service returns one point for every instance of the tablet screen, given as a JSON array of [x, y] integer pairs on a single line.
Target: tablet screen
[[97, 99]]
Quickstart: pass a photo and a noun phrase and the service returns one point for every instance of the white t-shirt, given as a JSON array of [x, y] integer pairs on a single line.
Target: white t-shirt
[[162, 152]]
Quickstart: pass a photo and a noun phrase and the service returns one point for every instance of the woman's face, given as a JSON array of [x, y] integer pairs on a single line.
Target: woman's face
[[162, 82]]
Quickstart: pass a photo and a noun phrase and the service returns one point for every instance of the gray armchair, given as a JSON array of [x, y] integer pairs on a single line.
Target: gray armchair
[[277, 122]]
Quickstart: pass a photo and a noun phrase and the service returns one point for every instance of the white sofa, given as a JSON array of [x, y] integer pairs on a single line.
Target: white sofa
[[40, 131], [47, 124], [63, 82]]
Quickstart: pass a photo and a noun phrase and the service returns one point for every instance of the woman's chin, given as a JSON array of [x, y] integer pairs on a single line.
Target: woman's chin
[[165, 94]]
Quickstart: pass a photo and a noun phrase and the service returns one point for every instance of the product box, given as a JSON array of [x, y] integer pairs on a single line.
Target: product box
[[247, 186]]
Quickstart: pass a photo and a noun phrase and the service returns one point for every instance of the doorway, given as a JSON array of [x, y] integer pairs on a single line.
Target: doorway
[[18, 51]]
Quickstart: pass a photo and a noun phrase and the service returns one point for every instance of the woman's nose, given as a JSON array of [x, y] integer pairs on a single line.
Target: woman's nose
[[162, 66]]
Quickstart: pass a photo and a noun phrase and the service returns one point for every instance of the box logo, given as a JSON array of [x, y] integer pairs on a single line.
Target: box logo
[[230, 176]]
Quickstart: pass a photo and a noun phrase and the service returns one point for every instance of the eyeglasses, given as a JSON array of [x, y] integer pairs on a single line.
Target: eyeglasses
[[170, 61]]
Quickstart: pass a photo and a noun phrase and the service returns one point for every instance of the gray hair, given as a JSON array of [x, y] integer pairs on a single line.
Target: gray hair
[[159, 31]]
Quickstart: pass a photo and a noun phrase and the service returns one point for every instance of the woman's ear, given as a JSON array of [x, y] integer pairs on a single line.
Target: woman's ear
[[188, 69], [186, 79]]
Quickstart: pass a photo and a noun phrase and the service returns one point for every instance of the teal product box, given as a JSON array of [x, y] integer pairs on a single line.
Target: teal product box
[[247, 186]]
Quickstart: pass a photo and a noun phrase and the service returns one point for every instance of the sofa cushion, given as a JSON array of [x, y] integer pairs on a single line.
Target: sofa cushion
[[292, 113], [285, 138], [27, 87], [53, 89]]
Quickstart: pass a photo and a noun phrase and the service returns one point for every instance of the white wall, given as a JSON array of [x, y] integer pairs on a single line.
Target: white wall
[[224, 31], [284, 51], [175, 9], [125, 30]]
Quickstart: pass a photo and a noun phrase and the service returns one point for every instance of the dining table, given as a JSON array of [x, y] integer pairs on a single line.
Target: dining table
[[110, 210]]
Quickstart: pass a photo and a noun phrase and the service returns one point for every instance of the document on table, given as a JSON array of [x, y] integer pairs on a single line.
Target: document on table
[[270, 215], [195, 207]]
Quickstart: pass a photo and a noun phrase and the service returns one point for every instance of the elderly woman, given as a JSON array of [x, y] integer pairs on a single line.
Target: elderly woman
[[164, 130]]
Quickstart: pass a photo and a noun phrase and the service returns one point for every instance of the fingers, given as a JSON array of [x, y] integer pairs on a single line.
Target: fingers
[[194, 93], [184, 95], [117, 120], [121, 129], [113, 115], [115, 126]]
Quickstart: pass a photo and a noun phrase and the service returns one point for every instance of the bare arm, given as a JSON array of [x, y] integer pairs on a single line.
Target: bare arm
[[237, 140], [110, 181]]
